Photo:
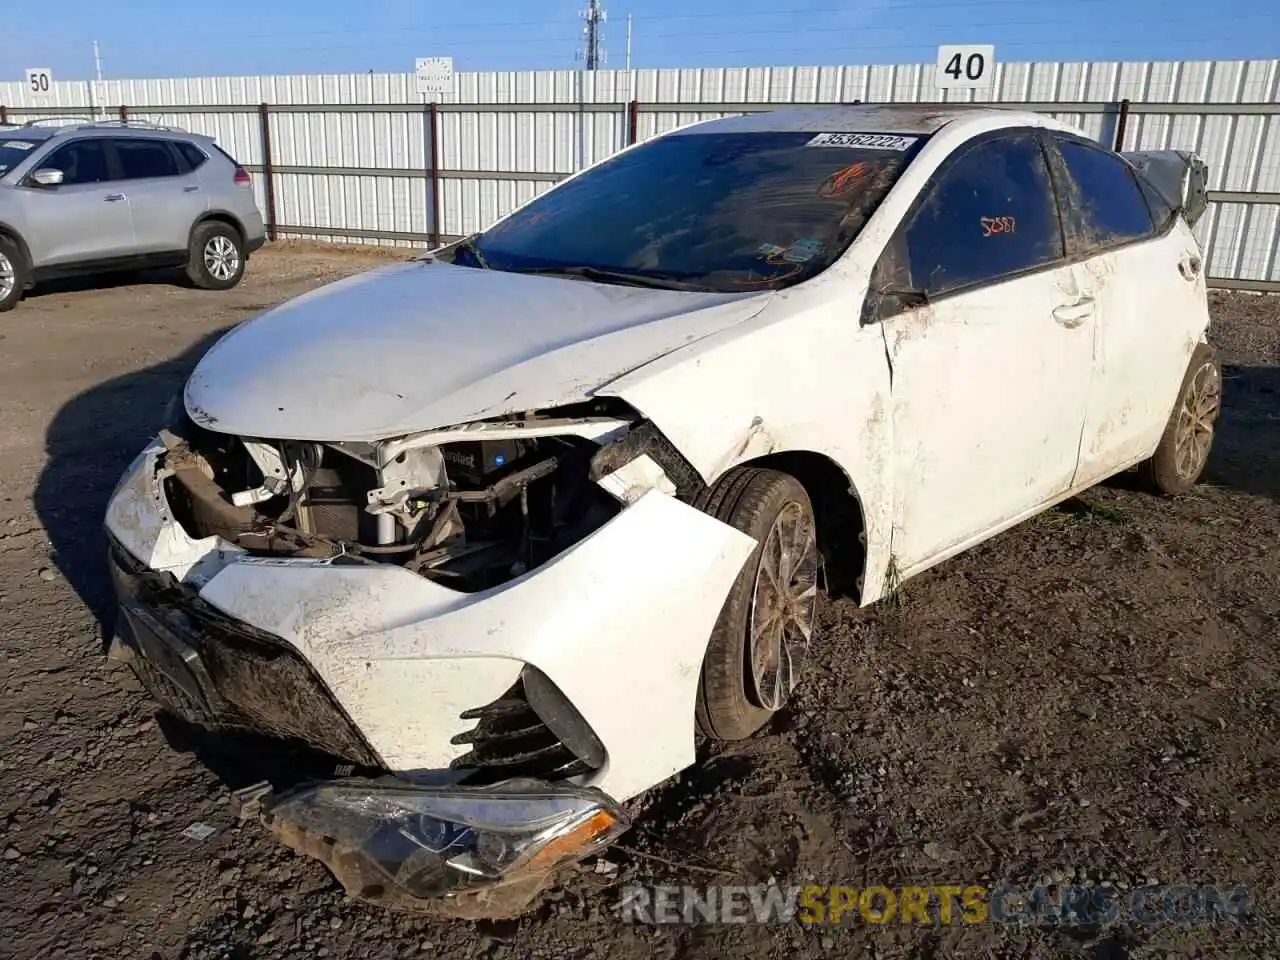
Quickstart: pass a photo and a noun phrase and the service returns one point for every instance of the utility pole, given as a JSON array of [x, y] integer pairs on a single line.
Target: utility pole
[[95, 89], [593, 35]]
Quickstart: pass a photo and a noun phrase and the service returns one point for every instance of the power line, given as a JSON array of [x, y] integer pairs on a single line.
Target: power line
[[738, 12], [969, 27]]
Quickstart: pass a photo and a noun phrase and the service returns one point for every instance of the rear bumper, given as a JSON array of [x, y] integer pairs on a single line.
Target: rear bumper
[[256, 243]]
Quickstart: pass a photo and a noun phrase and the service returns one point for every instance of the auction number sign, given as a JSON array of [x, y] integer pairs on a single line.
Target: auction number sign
[[966, 67], [39, 81]]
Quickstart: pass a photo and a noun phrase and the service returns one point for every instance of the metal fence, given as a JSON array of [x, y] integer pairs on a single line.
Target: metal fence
[[361, 158]]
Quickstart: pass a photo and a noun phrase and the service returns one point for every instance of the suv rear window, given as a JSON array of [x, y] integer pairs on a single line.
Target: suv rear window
[[726, 211], [13, 151]]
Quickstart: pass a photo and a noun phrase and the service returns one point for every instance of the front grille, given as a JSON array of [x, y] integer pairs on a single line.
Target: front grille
[[511, 740], [250, 679]]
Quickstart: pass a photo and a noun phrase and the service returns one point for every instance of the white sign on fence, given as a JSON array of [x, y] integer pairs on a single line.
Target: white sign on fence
[[434, 75], [39, 81], [966, 67]]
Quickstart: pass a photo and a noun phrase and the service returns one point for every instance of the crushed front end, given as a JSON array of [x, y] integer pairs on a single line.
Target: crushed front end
[[495, 631]]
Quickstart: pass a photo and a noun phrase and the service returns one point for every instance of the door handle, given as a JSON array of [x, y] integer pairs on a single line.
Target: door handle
[[191, 189], [113, 197], [1071, 315], [1189, 266]]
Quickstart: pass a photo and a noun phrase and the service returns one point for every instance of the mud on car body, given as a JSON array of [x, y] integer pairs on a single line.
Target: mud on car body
[[500, 529]]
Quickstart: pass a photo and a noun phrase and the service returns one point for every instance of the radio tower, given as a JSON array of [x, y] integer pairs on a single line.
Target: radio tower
[[593, 36]]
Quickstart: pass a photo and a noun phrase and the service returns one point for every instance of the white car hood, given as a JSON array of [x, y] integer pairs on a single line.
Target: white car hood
[[421, 345]]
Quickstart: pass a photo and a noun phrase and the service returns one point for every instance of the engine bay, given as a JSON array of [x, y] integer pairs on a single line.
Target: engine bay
[[470, 507]]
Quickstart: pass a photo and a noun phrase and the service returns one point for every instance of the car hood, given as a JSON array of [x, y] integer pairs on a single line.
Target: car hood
[[423, 345]]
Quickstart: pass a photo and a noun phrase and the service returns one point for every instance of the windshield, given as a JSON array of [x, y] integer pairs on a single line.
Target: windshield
[[13, 151], [727, 212]]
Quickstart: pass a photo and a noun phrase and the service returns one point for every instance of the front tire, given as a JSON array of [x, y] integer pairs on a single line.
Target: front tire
[[1184, 448], [13, 274], [216, 259], [761, 639]]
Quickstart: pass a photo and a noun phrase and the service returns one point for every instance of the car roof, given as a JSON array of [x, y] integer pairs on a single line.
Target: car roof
[[925, 118], [104, 128]]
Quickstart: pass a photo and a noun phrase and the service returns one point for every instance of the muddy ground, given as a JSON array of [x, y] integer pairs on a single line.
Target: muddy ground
[[1093, 695]]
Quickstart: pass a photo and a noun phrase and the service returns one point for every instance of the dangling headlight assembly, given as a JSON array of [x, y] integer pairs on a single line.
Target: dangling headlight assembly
[[422, 846]]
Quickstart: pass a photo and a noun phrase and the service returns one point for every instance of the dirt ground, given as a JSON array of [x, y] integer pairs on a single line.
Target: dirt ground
[[1091, 696]]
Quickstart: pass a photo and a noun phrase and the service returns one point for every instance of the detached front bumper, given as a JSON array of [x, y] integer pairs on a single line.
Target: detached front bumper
[[581, 675]]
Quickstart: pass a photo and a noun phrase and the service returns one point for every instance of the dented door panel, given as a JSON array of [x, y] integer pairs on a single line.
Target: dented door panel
[[989, 396], [1149, 321]]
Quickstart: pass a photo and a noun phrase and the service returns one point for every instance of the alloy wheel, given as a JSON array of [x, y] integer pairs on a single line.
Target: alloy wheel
[[784, 605]]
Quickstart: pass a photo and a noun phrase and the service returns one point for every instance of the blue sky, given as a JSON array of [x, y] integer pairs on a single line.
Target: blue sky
[[158, 38]]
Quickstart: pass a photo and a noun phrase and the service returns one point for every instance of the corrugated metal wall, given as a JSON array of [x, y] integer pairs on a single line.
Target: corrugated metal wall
[[528, 128]]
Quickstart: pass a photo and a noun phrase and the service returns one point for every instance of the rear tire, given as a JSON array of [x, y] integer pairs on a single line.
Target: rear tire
[[216, 258], [1184, 448], [14, 275], [758, 647]]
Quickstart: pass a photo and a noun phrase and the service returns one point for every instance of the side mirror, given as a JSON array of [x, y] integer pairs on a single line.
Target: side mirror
[[46, 177]]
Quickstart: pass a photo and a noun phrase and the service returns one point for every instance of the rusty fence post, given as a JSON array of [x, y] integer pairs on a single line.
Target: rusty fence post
[[1122, 122], [124, 113], [633, 121], [268, 174], [433, 156]]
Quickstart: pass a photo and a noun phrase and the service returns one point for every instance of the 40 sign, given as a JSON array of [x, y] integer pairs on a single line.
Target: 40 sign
[[966, 67]]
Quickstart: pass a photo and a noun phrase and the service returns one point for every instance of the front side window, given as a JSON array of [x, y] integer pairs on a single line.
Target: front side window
[[146, 159], [715, 211], [1109, 204], [81, 161], [990, 214], [14, 150]]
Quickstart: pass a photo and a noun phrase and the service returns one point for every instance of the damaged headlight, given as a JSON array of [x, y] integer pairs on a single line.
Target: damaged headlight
[[394, 839]]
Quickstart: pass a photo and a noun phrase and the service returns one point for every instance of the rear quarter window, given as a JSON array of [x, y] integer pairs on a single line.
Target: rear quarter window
[[191, 153]]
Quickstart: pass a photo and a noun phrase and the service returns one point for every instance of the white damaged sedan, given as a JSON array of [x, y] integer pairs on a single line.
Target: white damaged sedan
[[500, 530]]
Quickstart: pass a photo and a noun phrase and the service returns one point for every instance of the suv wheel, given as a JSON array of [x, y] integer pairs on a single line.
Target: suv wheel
[[216, 259], [13, 274]]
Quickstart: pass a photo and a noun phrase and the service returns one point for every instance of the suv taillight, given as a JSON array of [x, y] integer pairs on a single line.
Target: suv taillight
[[242, 177]]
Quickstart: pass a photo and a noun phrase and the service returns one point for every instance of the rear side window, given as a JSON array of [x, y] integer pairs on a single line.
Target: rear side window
[[145, 159], [81, 161], [990, 214], [191, 153], [1109, 205]]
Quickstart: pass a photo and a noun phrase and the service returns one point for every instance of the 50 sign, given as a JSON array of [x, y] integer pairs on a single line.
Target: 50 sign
[[966, 67], [39, 81]]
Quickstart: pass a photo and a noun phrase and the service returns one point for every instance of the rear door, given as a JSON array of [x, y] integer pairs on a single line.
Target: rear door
[[1139, 263], [165, 195], [83, 219], [990, 375]]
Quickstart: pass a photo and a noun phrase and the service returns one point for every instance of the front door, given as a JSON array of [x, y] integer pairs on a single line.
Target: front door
[[83, 219], [990, 375]]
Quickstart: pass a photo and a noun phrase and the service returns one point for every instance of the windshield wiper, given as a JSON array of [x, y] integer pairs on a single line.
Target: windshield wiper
[[656, 281]]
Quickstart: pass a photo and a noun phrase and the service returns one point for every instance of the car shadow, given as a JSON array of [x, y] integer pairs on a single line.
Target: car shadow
[[1246, 450], [158, 276], [90, 442]]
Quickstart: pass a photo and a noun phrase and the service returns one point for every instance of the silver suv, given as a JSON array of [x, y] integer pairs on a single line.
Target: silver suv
[[112, 195]]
